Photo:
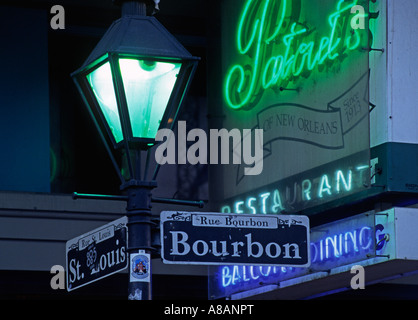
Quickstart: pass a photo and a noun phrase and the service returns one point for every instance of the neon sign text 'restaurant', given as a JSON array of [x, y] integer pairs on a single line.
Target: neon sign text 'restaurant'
[[288, 198], [282, 48]]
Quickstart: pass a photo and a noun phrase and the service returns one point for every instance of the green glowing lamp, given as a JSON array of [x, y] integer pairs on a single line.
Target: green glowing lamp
[[147, 85], [135, 79]]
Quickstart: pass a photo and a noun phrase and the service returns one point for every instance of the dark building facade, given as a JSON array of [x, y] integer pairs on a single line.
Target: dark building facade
[[50, 147]]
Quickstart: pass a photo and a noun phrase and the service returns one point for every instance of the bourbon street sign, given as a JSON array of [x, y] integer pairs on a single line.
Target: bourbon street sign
[[220, 239]]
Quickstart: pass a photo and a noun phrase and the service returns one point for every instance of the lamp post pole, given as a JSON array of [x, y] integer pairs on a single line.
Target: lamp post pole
[[138, 207], [139, 233]]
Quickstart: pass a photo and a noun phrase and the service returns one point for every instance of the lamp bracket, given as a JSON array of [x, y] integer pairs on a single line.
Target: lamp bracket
[[198, 203]]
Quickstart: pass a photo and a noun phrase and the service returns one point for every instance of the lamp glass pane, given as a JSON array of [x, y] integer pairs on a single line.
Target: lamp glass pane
[[148, 85], [102, 85]]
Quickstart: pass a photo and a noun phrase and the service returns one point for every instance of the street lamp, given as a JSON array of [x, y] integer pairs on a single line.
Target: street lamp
[[133, 84]]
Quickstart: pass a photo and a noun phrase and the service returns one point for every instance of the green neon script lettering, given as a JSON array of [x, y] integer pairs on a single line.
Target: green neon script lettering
[[246, 80], [279, 48]]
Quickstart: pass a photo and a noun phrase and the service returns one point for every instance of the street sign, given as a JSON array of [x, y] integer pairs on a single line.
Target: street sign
[[96, 254], [222, 239]]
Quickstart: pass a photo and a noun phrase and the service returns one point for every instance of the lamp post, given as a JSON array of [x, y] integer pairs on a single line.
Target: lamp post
[[133, 84]]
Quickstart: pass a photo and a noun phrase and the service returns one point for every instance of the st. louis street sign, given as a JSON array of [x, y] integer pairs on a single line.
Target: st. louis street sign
[[97, 254]]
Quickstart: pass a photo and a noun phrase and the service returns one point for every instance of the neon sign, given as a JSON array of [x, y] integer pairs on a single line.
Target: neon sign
[[336, 246], [282, 197], [332, 248], [282, 49], [332, 245]]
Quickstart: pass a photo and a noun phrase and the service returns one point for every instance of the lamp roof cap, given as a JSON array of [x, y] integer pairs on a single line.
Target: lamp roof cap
[[139, 35]]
